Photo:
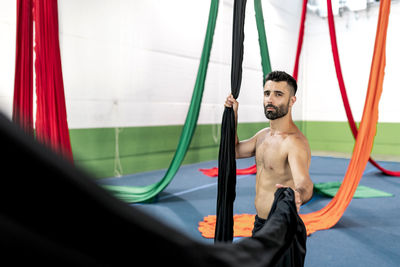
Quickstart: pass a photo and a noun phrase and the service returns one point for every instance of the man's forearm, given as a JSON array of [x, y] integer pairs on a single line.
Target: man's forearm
[[305, 192]]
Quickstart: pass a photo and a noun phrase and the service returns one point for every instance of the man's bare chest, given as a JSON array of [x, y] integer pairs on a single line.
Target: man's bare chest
[[272, 156]]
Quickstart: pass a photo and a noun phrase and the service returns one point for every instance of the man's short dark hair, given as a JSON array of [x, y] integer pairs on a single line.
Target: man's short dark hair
[[281, 76]]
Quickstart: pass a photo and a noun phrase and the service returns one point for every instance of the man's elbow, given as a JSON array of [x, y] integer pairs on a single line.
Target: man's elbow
[[309, 189]]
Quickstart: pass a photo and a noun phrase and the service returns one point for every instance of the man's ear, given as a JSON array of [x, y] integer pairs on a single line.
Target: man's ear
[[292, 100]]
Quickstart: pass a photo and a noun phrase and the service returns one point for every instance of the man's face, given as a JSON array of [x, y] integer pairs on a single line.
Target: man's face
[[278, 99]]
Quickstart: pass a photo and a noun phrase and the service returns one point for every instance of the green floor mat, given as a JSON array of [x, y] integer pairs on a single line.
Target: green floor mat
[[330, 188]]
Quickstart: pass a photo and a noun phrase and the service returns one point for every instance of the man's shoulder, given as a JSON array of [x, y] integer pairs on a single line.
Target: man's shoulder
[[298, 140], [263, 132]]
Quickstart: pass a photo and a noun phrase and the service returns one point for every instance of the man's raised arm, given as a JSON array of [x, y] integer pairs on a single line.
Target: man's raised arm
[[246, 148]]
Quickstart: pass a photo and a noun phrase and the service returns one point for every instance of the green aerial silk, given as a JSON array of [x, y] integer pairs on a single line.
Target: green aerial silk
[[262, 39], [330, 189], [147, 193]]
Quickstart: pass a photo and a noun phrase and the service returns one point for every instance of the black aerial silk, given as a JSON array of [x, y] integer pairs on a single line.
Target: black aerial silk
[[226, 158], [53, 213], [282, 240]]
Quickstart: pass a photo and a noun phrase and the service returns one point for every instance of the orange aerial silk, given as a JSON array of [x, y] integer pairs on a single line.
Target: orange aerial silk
[[242, 227], [330, 214]]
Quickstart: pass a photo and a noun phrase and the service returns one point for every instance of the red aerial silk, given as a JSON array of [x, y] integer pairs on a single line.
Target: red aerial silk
[[300, 39], [213, 172], [342, 87], [23, 80], [51, 116]]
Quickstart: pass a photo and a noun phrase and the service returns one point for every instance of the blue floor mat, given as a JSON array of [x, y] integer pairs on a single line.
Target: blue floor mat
[[367, 234]]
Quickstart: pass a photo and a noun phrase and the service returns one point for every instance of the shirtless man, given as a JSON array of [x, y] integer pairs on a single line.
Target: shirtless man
[[282, 152]]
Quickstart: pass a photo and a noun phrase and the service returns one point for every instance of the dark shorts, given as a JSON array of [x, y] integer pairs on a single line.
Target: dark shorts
[[258, 224], [287, 258]]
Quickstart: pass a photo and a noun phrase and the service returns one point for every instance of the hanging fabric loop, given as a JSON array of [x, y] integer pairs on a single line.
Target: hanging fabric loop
[[148, 193], [226, 158]]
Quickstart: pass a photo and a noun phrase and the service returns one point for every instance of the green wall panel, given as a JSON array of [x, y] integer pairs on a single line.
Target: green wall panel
[[140, 149]]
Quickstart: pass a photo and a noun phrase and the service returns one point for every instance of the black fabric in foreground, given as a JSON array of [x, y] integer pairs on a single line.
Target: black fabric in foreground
[[226, 192], [52, 213], [293, 244]]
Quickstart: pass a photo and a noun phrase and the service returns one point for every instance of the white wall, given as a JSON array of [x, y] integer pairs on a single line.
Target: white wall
[[7, 54], [355, 33], [134, 62]]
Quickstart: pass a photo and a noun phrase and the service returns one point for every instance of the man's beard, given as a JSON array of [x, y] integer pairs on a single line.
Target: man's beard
[[279, 112]]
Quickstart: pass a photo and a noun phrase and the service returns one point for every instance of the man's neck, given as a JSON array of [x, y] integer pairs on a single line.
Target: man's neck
[[282, 125]]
